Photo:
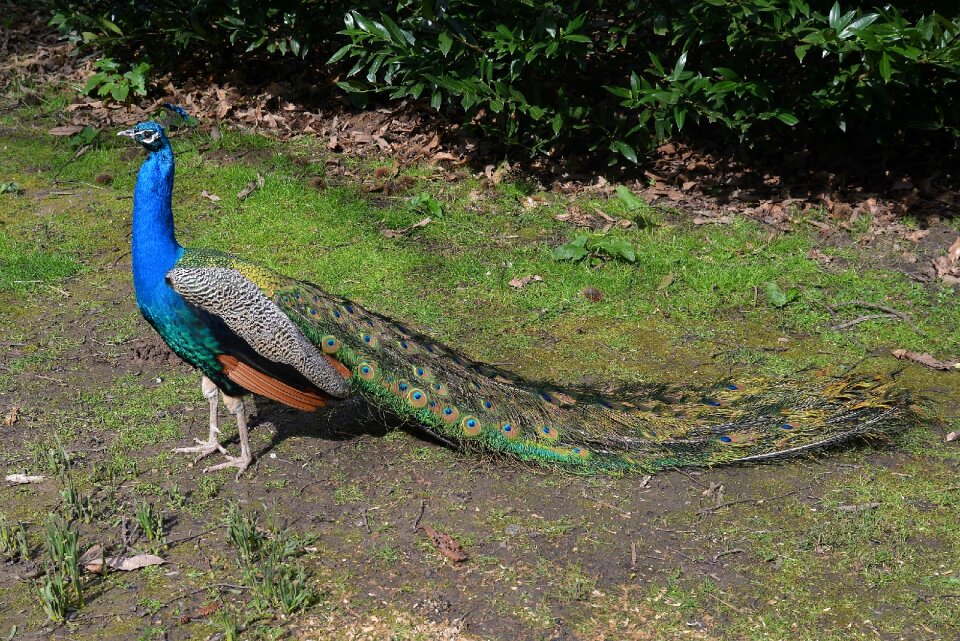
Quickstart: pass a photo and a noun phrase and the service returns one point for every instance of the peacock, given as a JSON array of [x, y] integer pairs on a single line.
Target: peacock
[[249, 329]]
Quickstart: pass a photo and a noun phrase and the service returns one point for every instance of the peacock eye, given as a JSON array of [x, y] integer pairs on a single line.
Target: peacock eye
[[149, 137]]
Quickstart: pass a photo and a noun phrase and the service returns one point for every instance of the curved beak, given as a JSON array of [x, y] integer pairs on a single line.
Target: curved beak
[[129, 133]]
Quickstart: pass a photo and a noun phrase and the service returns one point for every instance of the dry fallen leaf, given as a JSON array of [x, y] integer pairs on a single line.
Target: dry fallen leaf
[[859, 507], [446, 544], [948, 267], [952, 436], [23, 479], [388, 171], [925, 359], [397, 233], [251, 187], [818, 256], [65, 130], [211, 197], [11, 416], [520, 283], [719, 220], [94, 561], [531, 202], [592, 294]]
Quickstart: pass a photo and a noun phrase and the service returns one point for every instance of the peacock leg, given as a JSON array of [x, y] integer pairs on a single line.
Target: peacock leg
[[212, 444], [235, 406]]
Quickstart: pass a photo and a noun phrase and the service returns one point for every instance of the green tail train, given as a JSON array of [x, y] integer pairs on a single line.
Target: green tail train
[[646, 428]]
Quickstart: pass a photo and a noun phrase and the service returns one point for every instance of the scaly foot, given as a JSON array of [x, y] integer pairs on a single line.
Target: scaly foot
[[239, 462], [202, 448]]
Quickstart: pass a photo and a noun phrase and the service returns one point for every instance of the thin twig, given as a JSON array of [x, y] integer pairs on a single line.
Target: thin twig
[[726, 603], [720, 555], [416, 522], [219, 586], [603, 503], [697, 481], [883, 308], [190, 538], [711, 510], [863, 319]]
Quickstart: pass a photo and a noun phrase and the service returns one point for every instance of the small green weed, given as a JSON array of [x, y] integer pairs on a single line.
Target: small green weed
[[779, 298], [276, 583], [175, 498], [88, 136], [230, 626], [11, 187], [108, 81], [425, 204], [350, 493], [264, 561], [387, 554], [595, 249]]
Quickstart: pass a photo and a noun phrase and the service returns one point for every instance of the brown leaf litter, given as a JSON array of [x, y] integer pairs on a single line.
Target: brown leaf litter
[[925, 359], [445, 544], [523, 281], [12, 415]]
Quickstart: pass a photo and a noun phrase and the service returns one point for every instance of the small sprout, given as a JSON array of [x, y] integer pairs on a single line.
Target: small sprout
[[426, 204], [150, 522], [209, 487], [13, 540], [63, 550], [75, 505], [242, 532], [227, 618], [52, 459], [54, 599], [280, 584], [175, 498]]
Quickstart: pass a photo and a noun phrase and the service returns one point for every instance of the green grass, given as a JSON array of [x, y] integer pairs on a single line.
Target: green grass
[[809, 569], [23, 270], [451, 277]]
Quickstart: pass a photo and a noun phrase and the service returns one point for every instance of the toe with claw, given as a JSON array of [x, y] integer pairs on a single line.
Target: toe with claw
[[239, 462], [203, 449]]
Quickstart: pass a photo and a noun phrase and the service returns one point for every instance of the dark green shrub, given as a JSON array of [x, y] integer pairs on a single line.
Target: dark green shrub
[[621, 76], [615, 77]]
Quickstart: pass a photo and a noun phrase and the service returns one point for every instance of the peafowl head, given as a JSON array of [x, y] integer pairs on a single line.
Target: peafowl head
[[148, 134]]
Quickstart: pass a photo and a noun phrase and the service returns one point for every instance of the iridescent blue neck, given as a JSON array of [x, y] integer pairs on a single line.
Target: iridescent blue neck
[[155, 248]]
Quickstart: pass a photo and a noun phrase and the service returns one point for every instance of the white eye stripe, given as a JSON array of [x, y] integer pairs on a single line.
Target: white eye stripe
[[150, 137]]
